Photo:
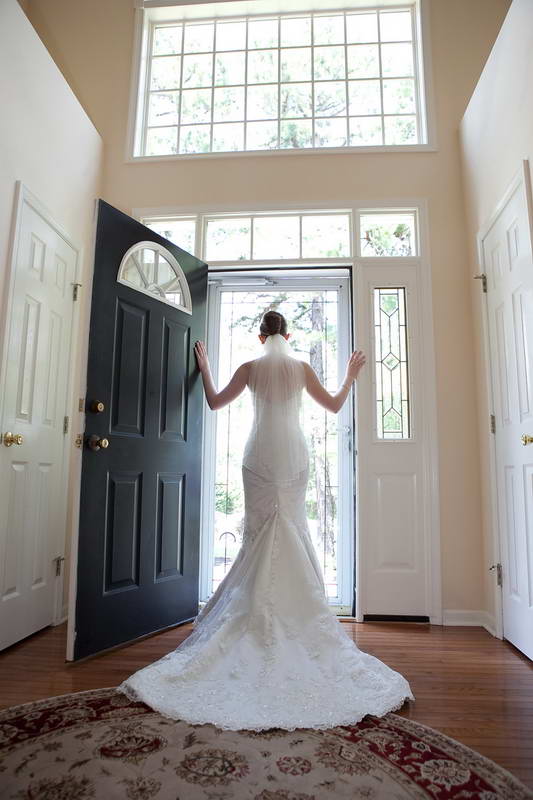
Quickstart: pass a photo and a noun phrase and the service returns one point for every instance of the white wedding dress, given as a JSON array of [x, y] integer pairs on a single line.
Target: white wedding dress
[[266, 651]]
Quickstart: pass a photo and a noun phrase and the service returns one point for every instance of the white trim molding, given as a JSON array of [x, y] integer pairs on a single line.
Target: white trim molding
[[414, 271], [470, 618]]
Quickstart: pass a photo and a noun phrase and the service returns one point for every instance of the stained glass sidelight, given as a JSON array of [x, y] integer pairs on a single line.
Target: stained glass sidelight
[[392, 382]]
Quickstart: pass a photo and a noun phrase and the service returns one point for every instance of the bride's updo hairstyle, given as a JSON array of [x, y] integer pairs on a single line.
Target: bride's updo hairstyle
[[273, 322]]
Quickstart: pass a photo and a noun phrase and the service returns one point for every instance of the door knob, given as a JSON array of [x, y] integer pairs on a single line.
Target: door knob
[[526, 439], [97, 407], [95, 442], [12, 438]]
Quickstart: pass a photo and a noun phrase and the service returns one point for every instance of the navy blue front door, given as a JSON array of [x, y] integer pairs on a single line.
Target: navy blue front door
[[140, 495]]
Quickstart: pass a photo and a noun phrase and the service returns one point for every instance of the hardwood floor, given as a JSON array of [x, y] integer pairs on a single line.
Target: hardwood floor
[[470, 686]]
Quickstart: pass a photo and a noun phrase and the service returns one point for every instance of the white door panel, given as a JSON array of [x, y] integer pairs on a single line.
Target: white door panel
[[395, 546], [35, 378], [508, 264]]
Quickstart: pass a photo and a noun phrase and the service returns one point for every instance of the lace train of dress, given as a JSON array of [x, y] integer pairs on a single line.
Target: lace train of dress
[[266, 651]]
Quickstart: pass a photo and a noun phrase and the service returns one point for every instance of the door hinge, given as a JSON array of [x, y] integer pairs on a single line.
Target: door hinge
[[483, 278], [65, 424], [498, 568], [492, 423], [58, 561], [75, 291]]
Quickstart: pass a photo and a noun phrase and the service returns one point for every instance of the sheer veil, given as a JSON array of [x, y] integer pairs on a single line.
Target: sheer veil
[[276, 447]]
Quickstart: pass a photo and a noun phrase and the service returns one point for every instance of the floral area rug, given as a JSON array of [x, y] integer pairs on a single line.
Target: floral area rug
[[100, 744]]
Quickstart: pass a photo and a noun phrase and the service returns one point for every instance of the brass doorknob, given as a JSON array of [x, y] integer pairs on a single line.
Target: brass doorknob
[[526, 439], [97, 407], [12, 438], [95, 442]]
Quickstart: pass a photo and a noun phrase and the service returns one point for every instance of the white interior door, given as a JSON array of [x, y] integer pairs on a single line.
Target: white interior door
[[39, 305], [507, 257]]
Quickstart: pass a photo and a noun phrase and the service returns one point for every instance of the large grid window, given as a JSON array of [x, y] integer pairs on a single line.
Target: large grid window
[[317, 80]]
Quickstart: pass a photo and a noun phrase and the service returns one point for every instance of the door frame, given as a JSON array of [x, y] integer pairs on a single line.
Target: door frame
[[523, 175], [355, 206], [23, 195], [325, 275]]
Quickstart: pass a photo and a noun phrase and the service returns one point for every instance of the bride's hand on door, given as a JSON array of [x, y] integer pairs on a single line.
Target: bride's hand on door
[[355, 364], [202, 358]]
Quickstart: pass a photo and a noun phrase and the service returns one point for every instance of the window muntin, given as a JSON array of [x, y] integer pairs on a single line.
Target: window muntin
[[150, 268], [391, 364], [345, 79]]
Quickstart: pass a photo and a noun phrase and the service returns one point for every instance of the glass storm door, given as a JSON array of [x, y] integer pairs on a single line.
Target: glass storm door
[[317, 310], [139, 506]]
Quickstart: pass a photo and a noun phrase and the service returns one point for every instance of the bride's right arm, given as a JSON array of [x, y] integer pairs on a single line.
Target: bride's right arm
[[334, 402]]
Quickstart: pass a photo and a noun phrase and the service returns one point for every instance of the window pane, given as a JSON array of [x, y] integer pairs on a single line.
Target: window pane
[[325, 236], [392, 389], [295, 32], [197, 71], [330, 99], [179, 231], [199, 38], [195, 139], [365, 131], [167, 40], [296, 133], [328, 30], [229, 68], [287, 70], [391, 234], [296, 64], [329, 63], [261, 135], [397, 59], [161, 141], [165, 73], [399, 96], [395, 26], [364, 97], [362, 27], [263, 66], [228, 105], [262, 102], [228, 239], [330, 132], [296, 100], [363, 61], [262, 33], [400, 130], [196, 105], [228, 137], [231, 35], [163, 108], [276, 237]]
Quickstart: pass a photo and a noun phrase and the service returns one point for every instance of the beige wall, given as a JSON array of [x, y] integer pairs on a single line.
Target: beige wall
[[47, 142], [496, 134], [92, 44]]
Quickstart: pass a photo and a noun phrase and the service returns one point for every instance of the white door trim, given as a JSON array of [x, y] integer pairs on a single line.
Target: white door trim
[[24, 195], [522, 175], [433, 588]]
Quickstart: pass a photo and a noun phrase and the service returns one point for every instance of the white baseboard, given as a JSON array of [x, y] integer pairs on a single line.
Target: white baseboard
[[64, 615], [481, 619]]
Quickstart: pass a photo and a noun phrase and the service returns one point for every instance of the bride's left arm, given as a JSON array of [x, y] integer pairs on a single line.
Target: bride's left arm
[[234, 388]]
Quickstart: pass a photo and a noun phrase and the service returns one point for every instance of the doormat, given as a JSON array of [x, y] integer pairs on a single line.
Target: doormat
[[100, 744]]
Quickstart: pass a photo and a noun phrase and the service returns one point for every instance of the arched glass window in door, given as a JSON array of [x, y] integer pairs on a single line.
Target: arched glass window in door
[[150, 268]]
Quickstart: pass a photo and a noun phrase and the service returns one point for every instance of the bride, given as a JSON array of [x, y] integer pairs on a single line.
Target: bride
[[266, 651]]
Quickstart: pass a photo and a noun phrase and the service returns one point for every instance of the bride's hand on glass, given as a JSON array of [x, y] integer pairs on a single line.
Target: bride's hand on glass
[[355, 364], [201, 356]]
